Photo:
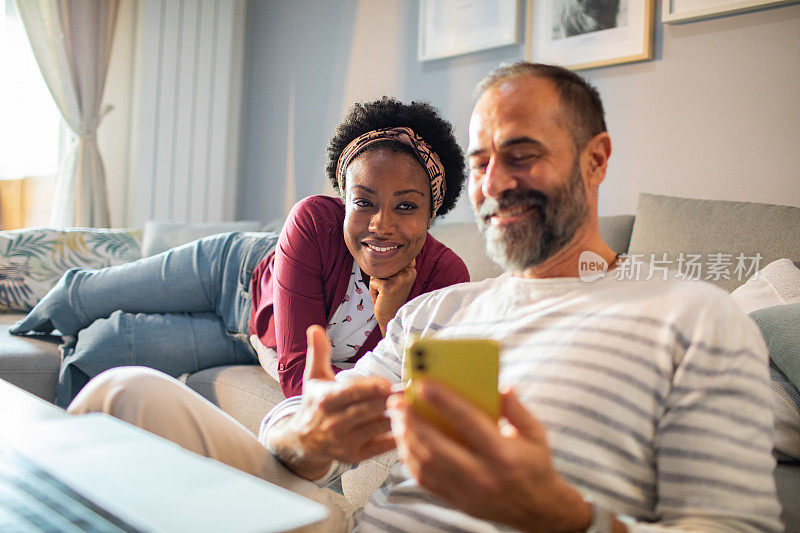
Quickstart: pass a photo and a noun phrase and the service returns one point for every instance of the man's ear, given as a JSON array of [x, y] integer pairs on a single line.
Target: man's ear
[[595, 159]]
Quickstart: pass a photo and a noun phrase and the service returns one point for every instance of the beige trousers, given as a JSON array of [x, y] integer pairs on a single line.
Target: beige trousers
[[166, 407]]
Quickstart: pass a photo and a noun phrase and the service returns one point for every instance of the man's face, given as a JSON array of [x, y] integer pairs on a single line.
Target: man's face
[[526, 184]]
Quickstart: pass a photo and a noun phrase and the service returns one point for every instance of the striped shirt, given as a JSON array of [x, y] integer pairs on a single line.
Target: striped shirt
[[655, 395]]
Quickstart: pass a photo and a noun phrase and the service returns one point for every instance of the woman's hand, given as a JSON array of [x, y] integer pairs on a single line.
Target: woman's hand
[[389, 294], [346, 423]]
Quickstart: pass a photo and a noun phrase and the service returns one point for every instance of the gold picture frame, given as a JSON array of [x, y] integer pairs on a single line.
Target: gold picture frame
[[623, 36]]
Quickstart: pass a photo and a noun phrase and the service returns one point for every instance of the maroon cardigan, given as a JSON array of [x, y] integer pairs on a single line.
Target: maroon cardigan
[[304, 280]]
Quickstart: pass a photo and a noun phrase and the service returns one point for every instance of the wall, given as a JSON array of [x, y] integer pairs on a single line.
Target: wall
[[171, 143], [713, 116], [185, 144]]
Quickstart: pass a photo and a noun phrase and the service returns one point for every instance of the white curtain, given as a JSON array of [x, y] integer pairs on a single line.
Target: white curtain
[[71, 40]]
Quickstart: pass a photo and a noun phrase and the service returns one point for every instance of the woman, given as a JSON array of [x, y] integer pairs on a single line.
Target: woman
[[346, 263]]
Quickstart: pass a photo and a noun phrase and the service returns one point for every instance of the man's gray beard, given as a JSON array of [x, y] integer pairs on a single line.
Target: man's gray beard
[[522, 245]]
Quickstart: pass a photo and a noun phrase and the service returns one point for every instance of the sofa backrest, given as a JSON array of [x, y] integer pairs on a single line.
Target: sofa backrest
[[665, 227], [716, 230], [465, 239]]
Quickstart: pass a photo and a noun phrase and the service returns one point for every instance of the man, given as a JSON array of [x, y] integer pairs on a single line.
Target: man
[[628, 405]]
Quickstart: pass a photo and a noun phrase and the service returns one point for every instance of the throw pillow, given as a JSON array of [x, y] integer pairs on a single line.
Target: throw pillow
[[778, 283], [32, 260], [780, 327]]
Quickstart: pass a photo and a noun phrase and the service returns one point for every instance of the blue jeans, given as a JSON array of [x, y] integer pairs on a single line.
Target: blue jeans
[[180, 311]]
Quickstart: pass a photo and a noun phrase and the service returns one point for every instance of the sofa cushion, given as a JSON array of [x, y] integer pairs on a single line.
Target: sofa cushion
[[665, 224], [33, 259], [31, 363], [766, 297], [780, 327], [778, 283], [359, 483], [616, 231], [161, 235], [787, 479], [465, 239], [245, 392]]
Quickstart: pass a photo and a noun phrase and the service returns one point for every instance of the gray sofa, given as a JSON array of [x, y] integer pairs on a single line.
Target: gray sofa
[[664, 226]]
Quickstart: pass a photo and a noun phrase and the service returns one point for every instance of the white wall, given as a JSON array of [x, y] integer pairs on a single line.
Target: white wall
[[713, 116], [171, 144]]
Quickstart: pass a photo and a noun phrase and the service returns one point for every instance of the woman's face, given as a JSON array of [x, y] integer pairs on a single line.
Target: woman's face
[[387, 208]]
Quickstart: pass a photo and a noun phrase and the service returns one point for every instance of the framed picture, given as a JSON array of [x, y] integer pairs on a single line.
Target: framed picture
[[673, 11], [454, 27], [581, 35]]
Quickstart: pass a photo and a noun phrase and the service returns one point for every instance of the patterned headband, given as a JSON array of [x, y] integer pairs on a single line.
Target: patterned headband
[[427, 157]]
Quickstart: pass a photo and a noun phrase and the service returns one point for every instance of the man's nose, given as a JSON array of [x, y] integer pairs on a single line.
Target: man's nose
[[382, 222], [497, 179]]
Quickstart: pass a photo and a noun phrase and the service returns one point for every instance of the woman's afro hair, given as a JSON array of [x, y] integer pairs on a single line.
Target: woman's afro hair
[[421, 117]]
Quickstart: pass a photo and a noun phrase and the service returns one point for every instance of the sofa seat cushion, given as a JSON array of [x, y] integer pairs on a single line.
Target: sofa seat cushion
[[246, 392], [359, 483], [31, 363]]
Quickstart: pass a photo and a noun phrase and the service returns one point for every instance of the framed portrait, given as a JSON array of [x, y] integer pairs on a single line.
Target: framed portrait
[[673, 11], [582, 35], [453, 27]]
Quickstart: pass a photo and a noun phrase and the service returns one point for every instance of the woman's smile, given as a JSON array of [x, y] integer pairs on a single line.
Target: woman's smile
[[381, 247]]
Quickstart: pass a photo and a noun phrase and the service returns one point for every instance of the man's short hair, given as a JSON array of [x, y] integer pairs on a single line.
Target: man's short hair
[[581, 101]]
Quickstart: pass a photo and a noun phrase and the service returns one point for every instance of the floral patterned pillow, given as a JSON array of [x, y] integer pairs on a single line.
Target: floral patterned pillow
[[32, 260]]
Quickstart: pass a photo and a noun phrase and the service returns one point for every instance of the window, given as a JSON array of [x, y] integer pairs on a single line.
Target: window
[[31, 132]]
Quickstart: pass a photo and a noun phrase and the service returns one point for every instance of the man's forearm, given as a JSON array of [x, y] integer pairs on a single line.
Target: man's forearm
[[284, 441]]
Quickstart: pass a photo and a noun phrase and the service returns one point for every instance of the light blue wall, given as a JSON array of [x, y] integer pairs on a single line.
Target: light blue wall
[[305, 47], [713, 116], [293, 68]]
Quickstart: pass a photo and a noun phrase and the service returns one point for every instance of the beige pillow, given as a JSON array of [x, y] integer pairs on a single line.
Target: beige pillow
[[778, 283]]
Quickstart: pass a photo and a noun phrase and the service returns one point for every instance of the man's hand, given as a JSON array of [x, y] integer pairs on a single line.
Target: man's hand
[[389, 294], [500, 474], [339, 422]]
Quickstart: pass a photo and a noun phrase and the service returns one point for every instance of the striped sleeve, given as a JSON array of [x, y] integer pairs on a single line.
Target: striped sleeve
[[714, 440]]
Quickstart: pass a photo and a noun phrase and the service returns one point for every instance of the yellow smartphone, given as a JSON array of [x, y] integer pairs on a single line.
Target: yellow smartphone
[[468, 366]]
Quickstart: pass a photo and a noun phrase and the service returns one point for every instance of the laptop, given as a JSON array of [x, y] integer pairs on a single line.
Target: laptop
[[95, 473]]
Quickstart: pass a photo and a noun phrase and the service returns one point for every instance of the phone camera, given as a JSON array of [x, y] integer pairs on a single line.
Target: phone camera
[[420, 363]]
